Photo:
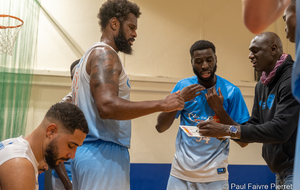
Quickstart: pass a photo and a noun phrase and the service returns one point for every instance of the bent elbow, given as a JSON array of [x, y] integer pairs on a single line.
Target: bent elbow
[[244, 145], [160, 129], [255, 25], [105, 113], [254, 29], [282, 139]]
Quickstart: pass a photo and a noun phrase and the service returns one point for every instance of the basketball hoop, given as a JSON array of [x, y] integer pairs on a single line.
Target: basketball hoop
[[10, 27]]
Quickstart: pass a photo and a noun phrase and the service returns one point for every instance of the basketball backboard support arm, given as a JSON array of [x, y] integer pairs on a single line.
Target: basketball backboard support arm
[[65, 35]]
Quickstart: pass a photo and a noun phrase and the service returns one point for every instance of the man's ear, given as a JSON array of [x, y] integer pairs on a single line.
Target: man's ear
[[51, 130], [273, 49], [216, 58], [114, 23]]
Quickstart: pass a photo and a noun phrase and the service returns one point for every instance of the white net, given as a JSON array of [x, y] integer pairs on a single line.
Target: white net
[[10, 27]]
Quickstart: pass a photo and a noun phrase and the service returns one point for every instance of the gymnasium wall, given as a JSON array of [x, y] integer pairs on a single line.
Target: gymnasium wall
[[166, 30]]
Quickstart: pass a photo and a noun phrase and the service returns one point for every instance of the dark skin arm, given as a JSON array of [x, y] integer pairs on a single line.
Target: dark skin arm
[[165, 120], [258, 15], [62, 173], [215, 102], [214, 129], [278, 129], [104, 68]]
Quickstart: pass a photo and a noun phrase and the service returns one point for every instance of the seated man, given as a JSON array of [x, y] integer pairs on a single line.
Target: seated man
[[54, 141]]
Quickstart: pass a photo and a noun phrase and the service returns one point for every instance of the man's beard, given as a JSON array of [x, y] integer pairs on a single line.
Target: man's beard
[[51, 153], [212, 75], [121, 42]]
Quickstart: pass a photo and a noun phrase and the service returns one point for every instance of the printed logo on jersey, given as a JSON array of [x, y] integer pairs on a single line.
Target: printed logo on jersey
[[1, 146], [269, 102], [221, 170], [75, 85], [197, 119]]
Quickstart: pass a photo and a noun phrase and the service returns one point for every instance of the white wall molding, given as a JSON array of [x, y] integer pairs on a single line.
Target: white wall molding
[[60, 78], [51, 86]]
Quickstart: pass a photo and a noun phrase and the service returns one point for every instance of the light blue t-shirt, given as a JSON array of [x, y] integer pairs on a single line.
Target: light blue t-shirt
[[205, 159]]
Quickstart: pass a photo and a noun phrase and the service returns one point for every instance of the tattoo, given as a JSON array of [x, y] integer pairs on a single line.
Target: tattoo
[[104, 71]]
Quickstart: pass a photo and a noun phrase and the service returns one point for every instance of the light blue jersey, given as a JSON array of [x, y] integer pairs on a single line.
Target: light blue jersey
[[117, 131], [204, 159], [102, 162], [296, 92]]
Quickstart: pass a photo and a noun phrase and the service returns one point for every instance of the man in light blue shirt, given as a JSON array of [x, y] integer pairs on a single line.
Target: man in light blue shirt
[[201, 162]]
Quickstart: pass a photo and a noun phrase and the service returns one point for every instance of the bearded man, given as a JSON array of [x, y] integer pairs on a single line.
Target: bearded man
[[101, 89], [54, 141], [201, 162]]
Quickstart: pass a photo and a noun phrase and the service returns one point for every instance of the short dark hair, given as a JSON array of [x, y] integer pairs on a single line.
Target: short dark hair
[[72, 66], [117, 8], [202, 45], [69, 115]]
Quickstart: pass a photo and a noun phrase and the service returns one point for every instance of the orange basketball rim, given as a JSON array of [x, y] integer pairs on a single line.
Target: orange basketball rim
[[13, 17]]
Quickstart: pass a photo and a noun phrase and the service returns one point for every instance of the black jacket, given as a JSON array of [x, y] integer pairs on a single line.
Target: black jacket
[[274, 119]]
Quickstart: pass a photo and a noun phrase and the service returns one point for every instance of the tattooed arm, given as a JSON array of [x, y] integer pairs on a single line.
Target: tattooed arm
[[104, 67]]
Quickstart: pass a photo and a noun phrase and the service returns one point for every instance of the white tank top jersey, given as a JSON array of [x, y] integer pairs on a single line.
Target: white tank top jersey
[[117, 131], [18, 148]]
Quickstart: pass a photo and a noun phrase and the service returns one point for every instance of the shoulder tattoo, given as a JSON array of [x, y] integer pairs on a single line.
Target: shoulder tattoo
[[107, 67]]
